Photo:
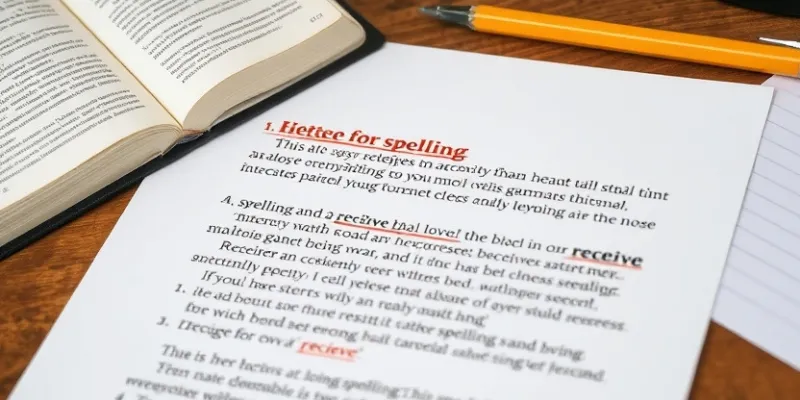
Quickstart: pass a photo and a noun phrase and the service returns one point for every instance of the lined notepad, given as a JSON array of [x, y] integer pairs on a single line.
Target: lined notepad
[[759, 296]]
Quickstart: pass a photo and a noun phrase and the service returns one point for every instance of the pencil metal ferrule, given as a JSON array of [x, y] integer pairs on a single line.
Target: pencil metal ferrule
[[461, 15]]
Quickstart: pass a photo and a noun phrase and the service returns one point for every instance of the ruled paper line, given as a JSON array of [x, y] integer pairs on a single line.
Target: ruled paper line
[[773, 202], [771, 222], [785, 91], [768, 264], [780, 145], [765, 285], [778, 184], [779, 164], [766, 310], [785, 109], [773, 245]]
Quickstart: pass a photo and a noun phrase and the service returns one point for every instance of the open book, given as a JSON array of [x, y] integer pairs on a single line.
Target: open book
[[555, 232], [92, 90]]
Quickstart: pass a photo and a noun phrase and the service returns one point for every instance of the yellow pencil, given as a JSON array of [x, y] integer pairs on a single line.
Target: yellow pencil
[[623, 38]]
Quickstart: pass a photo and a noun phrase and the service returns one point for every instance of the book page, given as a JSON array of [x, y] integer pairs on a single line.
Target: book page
[[63, 97], [550, 232], [180, 49]]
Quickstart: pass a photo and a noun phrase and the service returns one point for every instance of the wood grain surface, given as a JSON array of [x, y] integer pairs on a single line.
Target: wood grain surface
[[36, 283]]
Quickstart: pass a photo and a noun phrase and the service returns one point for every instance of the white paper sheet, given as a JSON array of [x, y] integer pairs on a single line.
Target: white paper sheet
[[471, 282], [759, 297]]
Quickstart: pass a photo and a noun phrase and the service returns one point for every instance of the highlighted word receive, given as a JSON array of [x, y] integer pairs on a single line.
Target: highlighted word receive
[[328, 351], [395, 227], [611, 259]]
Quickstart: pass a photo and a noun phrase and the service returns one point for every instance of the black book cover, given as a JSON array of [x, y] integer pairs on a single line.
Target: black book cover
[[787, 8], [373, 42]]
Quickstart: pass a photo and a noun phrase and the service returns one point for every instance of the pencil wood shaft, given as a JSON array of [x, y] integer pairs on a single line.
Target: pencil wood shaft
[[627, 39]]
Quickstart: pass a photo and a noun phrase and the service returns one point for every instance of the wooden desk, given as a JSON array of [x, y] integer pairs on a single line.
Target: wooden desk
[[37, 282]]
